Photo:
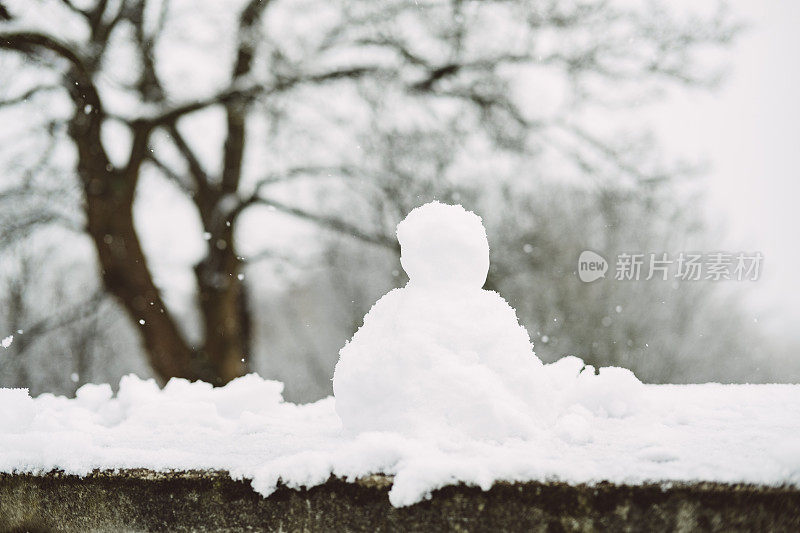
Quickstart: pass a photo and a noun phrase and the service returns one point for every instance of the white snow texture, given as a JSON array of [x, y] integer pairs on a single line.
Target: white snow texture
[[440, 385], [444, 355]]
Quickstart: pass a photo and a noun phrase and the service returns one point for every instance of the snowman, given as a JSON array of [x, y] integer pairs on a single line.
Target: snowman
[[441, 355]]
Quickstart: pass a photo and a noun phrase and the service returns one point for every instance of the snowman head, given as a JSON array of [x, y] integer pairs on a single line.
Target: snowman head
[[444, 246]]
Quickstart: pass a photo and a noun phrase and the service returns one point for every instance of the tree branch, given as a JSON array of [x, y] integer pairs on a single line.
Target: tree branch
[[248, 94], [79, 82], [149, 85], [75, 9], [281, 177], [64, 317], [333, 224], [169, 173], [236, 112], [610, 154], [302, 172], [25, 41], [201, 179], [22, 228], [30, 93]]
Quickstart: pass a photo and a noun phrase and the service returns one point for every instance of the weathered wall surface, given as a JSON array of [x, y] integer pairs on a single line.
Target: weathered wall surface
[[211, 501]]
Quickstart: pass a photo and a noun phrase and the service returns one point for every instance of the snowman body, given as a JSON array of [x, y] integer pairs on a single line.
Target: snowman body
[[440, 352]]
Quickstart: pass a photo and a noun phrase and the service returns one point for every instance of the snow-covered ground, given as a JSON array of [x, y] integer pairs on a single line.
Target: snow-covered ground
[[727, 433]]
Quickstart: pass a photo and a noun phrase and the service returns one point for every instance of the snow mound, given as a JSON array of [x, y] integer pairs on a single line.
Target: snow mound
[[424, 363], [16, 408], [442, 355]]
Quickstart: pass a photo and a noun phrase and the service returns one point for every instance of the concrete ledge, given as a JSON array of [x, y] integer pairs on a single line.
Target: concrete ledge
[[140, 500]]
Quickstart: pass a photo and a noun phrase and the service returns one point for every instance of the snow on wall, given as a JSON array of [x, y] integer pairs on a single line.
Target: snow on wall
[[726, 433]]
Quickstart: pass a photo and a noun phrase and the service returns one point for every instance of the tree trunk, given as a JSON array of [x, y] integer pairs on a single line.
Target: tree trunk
[[223, 307], [222, 299], [109, 210], [109, 194]]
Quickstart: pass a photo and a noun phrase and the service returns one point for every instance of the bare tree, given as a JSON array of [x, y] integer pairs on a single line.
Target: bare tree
[[441, 59]]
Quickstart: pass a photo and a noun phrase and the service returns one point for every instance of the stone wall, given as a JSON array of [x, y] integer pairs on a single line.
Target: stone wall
[[136, 500]]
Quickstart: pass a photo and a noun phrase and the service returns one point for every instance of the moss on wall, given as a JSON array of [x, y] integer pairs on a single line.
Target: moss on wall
[[140, 500]]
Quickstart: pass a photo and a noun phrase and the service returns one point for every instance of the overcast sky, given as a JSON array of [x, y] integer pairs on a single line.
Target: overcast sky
[[749, 131]]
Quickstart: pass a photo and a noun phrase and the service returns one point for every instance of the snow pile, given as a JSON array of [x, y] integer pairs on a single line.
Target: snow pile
[[439, 386], [16, 408], [442, 355], [728, 433]]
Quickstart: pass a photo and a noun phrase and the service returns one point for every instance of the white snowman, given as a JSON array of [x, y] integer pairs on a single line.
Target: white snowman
[[441, 352]]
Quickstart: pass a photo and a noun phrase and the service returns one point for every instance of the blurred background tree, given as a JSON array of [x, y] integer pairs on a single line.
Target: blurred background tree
[[212, 187]]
